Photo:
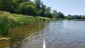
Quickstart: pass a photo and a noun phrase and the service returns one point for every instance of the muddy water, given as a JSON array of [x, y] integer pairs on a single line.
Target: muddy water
[[60, 34]]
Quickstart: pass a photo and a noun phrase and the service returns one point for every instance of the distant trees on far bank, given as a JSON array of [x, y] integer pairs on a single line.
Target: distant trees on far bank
[[75, 16], [33, 8]]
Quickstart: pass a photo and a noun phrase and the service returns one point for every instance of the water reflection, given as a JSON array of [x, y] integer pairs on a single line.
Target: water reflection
[[36, 41], [58, 34], [65, 34]]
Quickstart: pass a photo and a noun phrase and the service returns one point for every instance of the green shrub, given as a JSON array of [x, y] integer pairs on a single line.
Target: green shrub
[[27, 8], [8, 21], [4, 25]]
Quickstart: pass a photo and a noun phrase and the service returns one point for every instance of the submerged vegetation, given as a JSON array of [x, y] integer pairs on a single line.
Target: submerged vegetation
[[15, 27]]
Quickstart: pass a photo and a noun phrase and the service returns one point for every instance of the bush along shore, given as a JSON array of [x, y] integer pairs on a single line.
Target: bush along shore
[[13, 27]]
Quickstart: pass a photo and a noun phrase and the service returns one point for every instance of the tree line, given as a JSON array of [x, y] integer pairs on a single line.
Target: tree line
[[28, 7], [33, 8], [75, 16]]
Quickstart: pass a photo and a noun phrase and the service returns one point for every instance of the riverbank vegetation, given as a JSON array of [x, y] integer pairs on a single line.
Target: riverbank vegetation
[[18, 17], [15, 27], [34, 8], [75, 17], [29, 7]]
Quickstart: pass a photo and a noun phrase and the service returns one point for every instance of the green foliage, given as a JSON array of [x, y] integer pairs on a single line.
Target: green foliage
[[15, 41], [10, 5], [55, 14], [27, 8], [21, 1], [8, 20], [43, 10], [38, 4], [60, 15], [4, 25], [75, 17], [43, 7], [48, 12]]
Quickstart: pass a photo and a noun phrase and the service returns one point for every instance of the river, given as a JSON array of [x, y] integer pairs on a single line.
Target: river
[[60, 34]]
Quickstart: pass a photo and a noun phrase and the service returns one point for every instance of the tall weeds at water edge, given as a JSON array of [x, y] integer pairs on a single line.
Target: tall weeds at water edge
[[4, 25], [8, 20], [11, 26], [15, 42]]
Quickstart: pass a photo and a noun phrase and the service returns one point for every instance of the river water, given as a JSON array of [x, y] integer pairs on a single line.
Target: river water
[[60, 34]]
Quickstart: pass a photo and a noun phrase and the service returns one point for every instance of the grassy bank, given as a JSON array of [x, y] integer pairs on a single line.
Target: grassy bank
[[8, 20], [14, 27]]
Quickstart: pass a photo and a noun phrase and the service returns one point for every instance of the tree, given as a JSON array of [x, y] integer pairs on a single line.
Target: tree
[[48, 12], [43, 7], [27, 8], [41, 12], [69, 17], [60, 15], [54, 14], [38, 4], [77, 17], [22, 1], [10, 5]]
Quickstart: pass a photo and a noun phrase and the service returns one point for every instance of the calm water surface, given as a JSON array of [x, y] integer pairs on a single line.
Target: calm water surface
[[65, 34], [60, 34]]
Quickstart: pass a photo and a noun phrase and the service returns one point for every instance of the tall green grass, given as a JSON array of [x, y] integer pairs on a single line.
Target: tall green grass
[[4, 25], [17, 26], [8, 21]]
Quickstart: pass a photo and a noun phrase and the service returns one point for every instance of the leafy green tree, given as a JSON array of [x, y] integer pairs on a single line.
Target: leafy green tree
[[60, 15], [77, 17], [69, 17], [21, 1], [38, 4], [43, 7], [41, 12], [27, 8], [54, 14], [83, 17], [48, 12], [10, 5]]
